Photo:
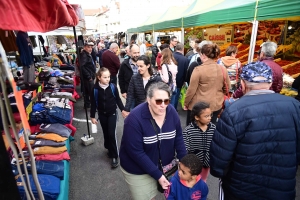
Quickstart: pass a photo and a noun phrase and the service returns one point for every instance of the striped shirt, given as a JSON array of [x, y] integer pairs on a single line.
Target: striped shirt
[[198, 142]]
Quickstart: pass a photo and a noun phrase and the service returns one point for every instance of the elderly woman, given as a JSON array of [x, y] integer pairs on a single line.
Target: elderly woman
[[208, 83], [139, 152], [266, 55]]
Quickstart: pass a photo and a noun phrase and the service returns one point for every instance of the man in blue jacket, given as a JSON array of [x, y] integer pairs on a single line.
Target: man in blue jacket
[[182, 66], [256, 146]]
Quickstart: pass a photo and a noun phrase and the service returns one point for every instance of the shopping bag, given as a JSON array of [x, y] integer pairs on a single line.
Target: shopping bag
[[182, 94]]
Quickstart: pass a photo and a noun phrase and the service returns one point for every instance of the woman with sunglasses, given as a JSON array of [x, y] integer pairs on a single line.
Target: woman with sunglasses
[[150, 125], [208, 83], [140, 82]]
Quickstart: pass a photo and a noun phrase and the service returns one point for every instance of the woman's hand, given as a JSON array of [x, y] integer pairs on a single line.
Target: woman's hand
[[94, 121], [125, 114], [163, 182], [185, 108]]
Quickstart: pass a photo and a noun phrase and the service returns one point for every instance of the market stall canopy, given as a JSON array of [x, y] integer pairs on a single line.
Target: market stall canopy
[[36, 15], [197, 6], [236, 11], [171, 14], [278, 9]]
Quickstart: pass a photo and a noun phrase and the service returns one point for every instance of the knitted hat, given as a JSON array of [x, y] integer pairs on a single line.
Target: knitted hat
[[257, 72]]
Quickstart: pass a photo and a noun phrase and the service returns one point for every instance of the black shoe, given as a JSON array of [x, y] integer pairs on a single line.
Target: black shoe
[[114, 163]]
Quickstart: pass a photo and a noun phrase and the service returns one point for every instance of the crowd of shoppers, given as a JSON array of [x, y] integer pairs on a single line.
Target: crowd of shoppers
[[253, 146]]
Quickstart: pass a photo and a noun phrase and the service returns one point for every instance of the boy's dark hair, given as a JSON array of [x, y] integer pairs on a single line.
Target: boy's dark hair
[[192, 162], [198, 108]]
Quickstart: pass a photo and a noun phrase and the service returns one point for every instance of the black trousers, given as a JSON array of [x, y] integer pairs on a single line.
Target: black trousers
[[88, 89], [213, 119], [108, 124], [113, 79]]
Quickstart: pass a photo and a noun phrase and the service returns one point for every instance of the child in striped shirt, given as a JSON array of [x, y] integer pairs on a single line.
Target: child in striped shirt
[[198, 135]]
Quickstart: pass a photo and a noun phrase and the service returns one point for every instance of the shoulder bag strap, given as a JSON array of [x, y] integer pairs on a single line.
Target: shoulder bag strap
[[225, 82], [158, 143]]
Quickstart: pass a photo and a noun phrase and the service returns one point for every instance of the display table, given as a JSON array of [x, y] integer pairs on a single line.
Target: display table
[[64, 184]]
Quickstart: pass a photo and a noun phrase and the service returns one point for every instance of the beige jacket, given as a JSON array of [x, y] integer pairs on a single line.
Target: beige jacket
[[207, 84]]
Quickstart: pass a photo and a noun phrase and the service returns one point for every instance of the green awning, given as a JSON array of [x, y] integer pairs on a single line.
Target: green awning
[[228, 11], [278, 9]]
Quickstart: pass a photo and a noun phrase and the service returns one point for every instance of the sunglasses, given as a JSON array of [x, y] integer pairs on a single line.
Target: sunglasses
[[160, 101]]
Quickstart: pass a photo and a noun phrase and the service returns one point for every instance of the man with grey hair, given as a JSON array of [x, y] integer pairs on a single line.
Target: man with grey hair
[[266, 55], [182, 65], [111, 61], [256, 146], [196, 62]]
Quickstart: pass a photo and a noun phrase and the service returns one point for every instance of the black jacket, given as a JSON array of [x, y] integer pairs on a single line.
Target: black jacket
[[99, 54], [182, 66], [107, 103], [125, 74], [191, 69], [137, 92], [87, 66], [154, 55], [256, 147]]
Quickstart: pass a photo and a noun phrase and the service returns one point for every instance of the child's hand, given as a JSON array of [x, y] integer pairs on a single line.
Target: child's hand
[[125, 114], [163, 182], [94, 121]]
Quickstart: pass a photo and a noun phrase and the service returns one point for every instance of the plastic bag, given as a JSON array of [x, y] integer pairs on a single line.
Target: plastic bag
[[182, 94]]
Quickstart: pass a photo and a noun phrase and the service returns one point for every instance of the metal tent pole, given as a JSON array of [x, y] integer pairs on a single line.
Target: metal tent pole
[[81, 77]]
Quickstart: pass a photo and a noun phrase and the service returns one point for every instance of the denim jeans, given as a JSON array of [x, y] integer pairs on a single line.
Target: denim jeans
[[50, 186], [56, 128], [39, 117], [60, 115], [54, 168], [175, 98]]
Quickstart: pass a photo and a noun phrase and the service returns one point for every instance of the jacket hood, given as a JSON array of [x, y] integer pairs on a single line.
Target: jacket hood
[[228, 61]]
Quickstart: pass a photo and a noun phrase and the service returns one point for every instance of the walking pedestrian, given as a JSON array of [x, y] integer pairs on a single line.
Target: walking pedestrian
[[182, 65], [139, 152], [140, 83], [208, 83], [128, 69], [88, 72], [198, 135], [168, 72], [256, 147], [105, 100], [111, 61]]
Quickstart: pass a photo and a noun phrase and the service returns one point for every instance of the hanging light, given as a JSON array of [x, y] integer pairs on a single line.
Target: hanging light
[[238, 30], [204, 30], [290, 27], [218, 28], [192, 28]]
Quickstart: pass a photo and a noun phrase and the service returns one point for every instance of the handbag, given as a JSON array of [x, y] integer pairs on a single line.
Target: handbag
[[167, 170]]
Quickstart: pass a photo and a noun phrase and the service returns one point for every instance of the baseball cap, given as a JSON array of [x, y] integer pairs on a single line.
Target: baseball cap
[[89, 44], [257, 72]]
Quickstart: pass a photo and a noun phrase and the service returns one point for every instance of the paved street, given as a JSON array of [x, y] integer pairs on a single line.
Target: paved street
[[91, 177]]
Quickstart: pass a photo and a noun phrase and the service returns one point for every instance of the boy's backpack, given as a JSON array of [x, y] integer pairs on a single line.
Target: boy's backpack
[[113, 89]]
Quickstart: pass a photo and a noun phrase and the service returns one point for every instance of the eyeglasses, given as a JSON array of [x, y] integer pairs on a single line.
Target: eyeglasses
[[160, 101]]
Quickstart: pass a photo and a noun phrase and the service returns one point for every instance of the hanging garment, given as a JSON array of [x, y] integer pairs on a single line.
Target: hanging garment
[[25, 48]]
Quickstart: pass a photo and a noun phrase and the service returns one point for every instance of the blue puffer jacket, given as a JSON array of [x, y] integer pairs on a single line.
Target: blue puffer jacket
[[256, 148]]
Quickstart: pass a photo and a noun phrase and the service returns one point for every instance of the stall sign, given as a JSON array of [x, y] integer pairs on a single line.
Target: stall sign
[[219, 36]]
